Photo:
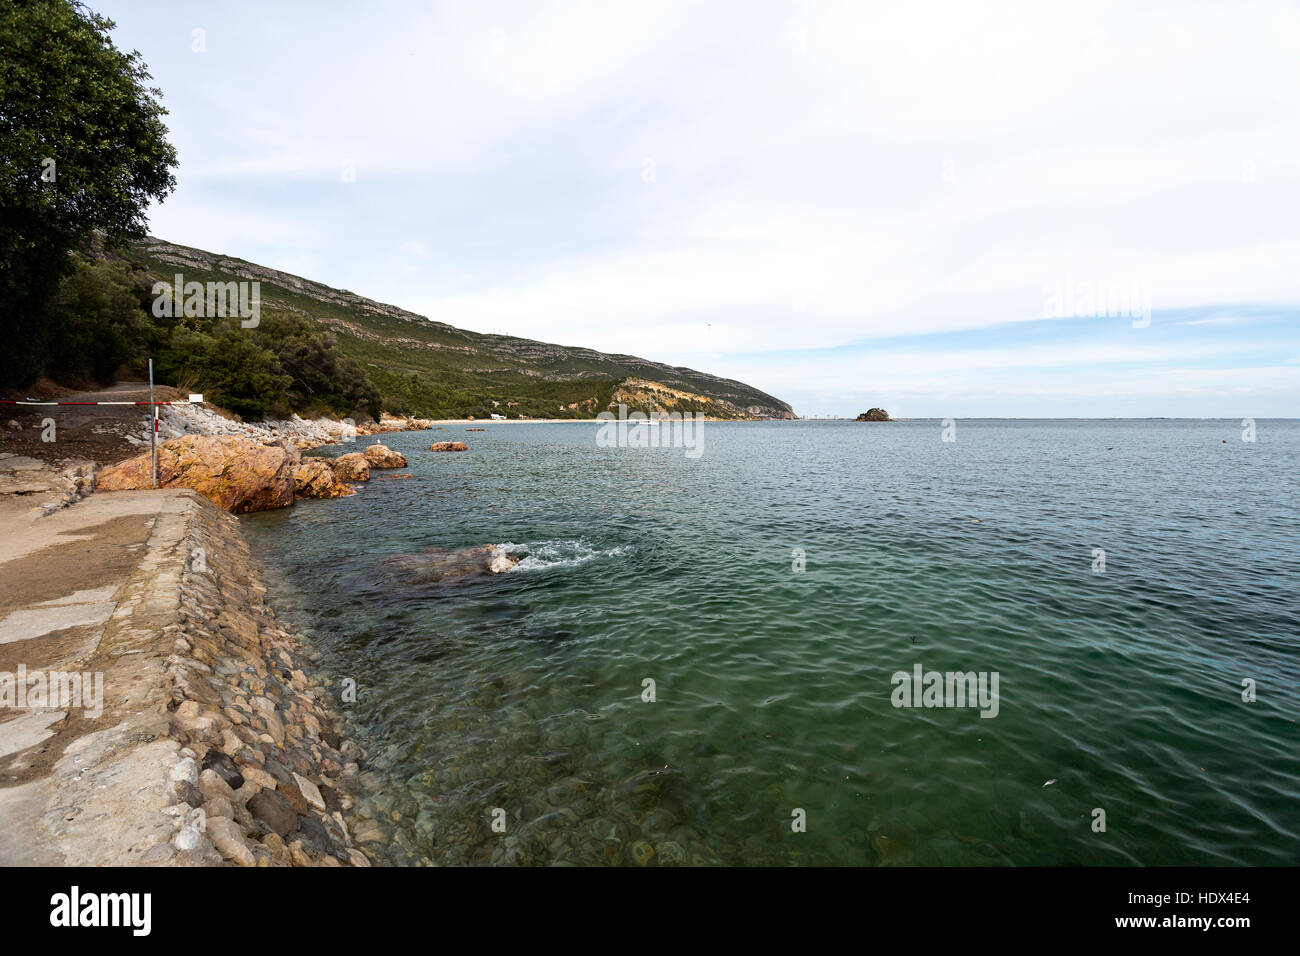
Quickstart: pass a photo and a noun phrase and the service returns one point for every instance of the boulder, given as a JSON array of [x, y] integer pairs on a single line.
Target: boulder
[[235, 473], [438, 564], [225, 768], [315, 478], [449, 446], [352, 467], [229, 841], [873, 415], [272, 812], [381, 456], [500, 562]]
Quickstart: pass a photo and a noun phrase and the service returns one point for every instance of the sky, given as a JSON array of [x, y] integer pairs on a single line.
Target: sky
[[943, 209]]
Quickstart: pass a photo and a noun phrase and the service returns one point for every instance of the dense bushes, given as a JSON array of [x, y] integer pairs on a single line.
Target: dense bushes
[[101, 322], [281, 367], [95, 324], [284, 365]]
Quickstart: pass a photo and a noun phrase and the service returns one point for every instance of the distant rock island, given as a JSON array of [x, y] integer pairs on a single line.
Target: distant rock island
[[874, 415]]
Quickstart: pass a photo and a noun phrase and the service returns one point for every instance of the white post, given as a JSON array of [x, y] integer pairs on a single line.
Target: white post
[[153, 428]]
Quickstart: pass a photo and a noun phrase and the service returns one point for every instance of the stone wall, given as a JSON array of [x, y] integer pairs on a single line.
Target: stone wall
[[264, 776]]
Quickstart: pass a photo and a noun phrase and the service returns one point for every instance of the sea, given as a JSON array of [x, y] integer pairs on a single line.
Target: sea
[[923, 642]]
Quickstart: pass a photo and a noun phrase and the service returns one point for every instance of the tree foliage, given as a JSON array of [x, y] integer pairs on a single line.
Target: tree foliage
[[83, 150], [283, 366]]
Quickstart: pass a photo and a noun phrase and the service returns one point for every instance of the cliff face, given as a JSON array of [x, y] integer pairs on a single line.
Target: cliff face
[[511, 375]]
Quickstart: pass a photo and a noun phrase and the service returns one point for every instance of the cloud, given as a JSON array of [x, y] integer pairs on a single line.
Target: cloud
[[733, 180]]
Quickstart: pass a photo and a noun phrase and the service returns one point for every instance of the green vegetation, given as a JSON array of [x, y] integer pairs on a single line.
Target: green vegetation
[[104, 313], [431, 369], [83, 150], [336, 354], [284, 365]]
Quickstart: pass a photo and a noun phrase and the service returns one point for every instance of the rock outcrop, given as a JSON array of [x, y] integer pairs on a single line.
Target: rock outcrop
[[874, 415], [315, 478], [237, 474], [449, 446], [352, 467], [381, 456], [439, 564]]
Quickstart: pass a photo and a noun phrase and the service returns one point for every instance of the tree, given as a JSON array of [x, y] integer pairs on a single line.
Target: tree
[[100, 311], [83, 150]]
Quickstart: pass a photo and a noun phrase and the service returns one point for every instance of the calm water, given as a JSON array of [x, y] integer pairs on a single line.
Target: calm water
[[524, 691]]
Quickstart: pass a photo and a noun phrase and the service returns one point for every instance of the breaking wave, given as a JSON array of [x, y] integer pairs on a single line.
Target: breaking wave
[[554, 554]]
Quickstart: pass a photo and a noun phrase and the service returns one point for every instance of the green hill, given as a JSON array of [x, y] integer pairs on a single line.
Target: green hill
[[431, 369]]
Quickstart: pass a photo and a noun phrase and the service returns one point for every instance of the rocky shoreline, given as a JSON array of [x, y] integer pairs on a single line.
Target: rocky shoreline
[[242, 475], [178, 420], [229, 742], [264, 775]]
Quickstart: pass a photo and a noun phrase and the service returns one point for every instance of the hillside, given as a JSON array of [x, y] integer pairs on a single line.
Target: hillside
[[432, 369]]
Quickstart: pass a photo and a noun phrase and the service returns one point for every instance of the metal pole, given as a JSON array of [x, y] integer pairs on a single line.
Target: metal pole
[[153, 428]]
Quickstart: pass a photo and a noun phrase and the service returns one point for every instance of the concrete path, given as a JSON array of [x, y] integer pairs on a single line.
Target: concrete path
[[84, 595]]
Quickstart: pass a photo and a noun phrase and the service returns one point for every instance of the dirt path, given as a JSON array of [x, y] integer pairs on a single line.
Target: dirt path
[[100, 433]]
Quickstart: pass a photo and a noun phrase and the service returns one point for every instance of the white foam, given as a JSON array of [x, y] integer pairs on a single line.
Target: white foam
[[554, 554]]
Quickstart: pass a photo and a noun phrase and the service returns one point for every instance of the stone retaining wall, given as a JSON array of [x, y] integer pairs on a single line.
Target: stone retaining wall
[[263, 776]]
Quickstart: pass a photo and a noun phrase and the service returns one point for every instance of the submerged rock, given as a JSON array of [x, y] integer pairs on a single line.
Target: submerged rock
[[889, 848], [500, 562], [449, 446], [642, 853], [670, 853], [438, 564]]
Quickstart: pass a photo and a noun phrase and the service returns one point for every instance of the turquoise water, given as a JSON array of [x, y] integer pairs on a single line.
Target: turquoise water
[[524, 691]]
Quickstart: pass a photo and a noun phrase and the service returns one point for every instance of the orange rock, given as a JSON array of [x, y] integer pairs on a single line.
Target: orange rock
[[381, 456], [449, 446], [235, 473], [314, 478], [352, 467]]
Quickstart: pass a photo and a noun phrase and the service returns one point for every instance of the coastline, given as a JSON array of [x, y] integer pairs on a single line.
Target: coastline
[[216, 742]]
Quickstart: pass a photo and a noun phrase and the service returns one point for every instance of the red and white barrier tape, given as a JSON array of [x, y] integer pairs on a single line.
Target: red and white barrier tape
[[7, 401]]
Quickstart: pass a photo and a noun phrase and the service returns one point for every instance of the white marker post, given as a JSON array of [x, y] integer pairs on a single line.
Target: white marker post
[[153, 428]]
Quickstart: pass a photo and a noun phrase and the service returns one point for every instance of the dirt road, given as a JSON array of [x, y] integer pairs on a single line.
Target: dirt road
[[98, 433]]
